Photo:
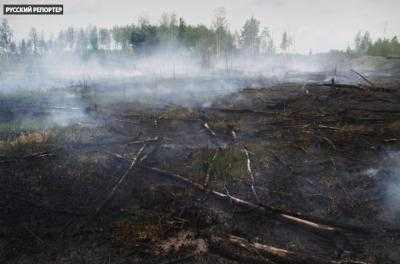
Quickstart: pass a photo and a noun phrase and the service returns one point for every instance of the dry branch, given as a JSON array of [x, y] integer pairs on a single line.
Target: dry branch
[[364, 78], [120, 181], [251, 175], [209, 129]]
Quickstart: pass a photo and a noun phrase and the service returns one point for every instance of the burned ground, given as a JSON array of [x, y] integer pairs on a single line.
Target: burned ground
[[274, 173]]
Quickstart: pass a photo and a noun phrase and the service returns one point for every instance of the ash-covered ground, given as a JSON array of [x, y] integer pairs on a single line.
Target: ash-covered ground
[[299, 167]]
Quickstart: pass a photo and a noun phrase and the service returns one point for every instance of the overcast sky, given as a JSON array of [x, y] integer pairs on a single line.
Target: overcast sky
[[319, 25]]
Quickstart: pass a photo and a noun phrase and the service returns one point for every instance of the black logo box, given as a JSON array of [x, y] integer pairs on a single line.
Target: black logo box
[[34, 9]]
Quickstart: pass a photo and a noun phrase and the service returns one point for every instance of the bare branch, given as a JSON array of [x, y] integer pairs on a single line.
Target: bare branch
[[120, 181]]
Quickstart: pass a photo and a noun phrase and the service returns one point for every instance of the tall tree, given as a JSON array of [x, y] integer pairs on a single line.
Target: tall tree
[[267, 42], [395, 46], [23, 49], [105, 38], [220, 25], [70, 37], [173, 23], [34, 41], [357, 41], [365, 43], [94, 38], [42, 44], [181, 30], [250, 39], [82, 41], [6, 35], [285, 43], [362, 42], [62, 40], [168, 28]]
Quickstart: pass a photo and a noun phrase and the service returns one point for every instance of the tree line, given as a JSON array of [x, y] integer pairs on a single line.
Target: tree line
[[385, 47], [143, 38]]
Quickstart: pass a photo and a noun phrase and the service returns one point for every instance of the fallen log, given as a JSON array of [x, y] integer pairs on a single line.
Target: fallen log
[[240, 249], [239, 111], [389, 111], [310, 222], [304, 221], [132, 141], [33, 156], [340, 85]]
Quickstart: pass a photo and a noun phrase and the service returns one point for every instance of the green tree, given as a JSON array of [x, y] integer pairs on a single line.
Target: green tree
[[122, 36], [267, 42], [285, 43], [249, 38], [395, 46], [181, 30], [220, 25], [167, 28], [94, 38], [365, 42], [23, 49], [357, 41], [42, 47], [82, 41], [144, 38], [70, 37], [105, 38], [34, 41], [62, 40], [362, 42], [6, 35]]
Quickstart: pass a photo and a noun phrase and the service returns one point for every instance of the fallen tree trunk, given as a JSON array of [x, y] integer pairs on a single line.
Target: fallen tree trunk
[[240, 249], [240, 111], [34, 156], [341, 85], [303, 221], [384, 111]]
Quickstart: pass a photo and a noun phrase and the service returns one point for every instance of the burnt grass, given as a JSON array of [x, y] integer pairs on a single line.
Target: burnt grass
[[325, 152]]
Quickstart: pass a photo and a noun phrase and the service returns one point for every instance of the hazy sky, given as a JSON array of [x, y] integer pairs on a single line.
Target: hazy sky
[[317, 24]]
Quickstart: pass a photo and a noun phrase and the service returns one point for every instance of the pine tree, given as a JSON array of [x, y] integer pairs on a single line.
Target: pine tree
[[249, 38], [34, 41], [6, 35], [285, 43]]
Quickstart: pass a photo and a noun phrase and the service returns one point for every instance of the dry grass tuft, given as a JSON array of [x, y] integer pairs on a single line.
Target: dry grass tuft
[[130, 233], [26, 143], [179, 113]]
